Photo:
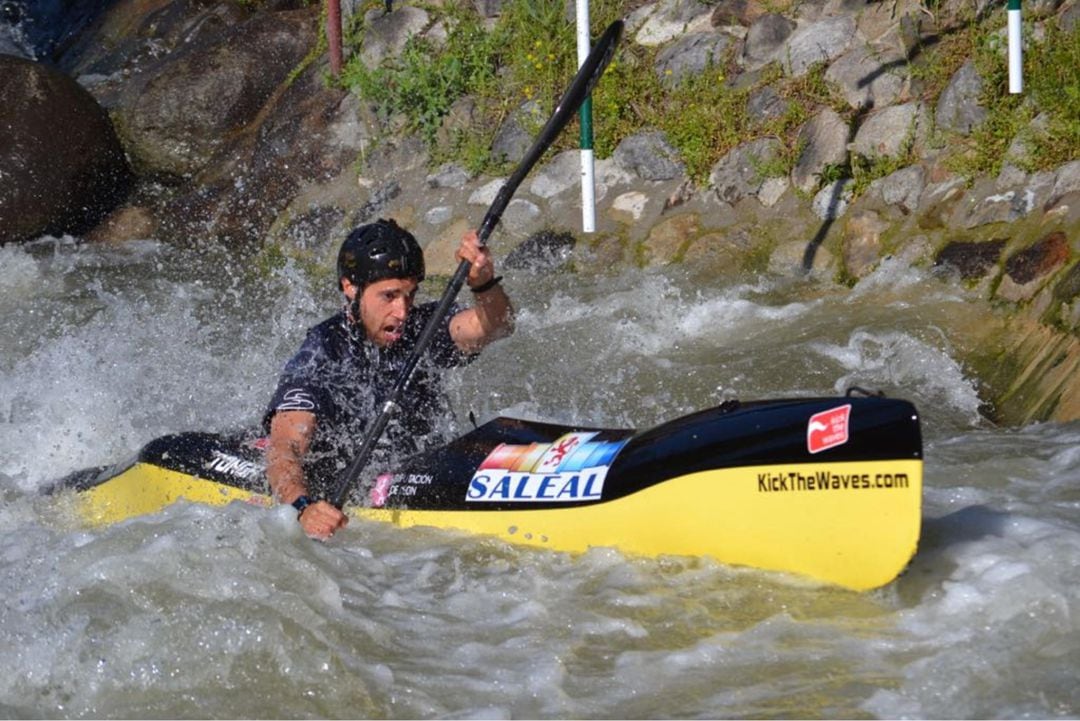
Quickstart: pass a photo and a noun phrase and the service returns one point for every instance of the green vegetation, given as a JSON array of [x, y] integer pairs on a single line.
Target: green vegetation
[[526, 55], [1054, 83], [1052, 91]]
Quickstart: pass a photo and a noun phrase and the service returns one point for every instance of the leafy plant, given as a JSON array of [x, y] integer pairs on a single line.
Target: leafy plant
[[1053, 69], [425, 79]]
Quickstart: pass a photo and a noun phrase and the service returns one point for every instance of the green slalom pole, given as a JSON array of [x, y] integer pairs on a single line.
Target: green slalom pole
[[588, 168]]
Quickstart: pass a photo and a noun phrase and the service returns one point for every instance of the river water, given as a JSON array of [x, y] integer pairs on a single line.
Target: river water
[[231, 612]]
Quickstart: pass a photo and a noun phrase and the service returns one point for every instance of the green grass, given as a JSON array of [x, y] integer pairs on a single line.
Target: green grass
[[529, 54]]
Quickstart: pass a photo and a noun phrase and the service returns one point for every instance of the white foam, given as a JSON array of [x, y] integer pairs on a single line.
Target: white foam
[[900, 360]]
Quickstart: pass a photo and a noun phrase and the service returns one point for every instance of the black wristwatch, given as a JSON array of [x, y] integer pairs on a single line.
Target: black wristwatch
[[301, 503]]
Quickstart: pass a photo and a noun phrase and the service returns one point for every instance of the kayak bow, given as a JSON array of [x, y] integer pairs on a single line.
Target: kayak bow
[[828, 488]]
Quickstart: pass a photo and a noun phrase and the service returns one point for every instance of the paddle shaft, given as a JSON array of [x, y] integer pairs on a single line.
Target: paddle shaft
[[579, 89]]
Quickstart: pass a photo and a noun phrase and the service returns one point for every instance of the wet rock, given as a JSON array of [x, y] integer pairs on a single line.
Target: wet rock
[[61, 165], [308, 137], [958, 107], [1067, 295], [862, 242], [203, 93], [719, 252], [797, 258], [740, 173], [1027, 270], [311, 134], [972, 260], [669, 237], [765, 39], [824, 142], [818, 42], [689, 56], [125, 224], [939, 201], [545, 250], [650, 156]]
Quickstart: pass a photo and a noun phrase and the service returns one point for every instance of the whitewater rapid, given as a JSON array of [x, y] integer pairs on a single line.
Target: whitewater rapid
[[231, 612]]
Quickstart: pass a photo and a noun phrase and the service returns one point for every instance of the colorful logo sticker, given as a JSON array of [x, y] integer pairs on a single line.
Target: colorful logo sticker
[[572, 468], [828, 429]]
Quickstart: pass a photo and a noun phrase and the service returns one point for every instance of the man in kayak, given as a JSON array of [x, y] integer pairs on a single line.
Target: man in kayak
[[339, 379]]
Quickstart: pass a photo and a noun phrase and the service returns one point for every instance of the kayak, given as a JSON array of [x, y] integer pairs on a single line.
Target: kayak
[[825, 488]]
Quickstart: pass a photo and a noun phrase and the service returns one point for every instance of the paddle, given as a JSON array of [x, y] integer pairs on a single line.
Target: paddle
[[580, 87]]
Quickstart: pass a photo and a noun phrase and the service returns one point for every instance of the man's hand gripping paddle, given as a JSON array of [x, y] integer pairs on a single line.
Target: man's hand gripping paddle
[[580, 87]]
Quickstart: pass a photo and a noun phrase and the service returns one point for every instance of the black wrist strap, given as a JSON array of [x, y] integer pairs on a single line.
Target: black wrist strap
[[301, 503], [484, 287]]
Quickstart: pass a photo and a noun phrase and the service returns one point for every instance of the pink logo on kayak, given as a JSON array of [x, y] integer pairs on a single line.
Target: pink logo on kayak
[[381, 490], [828, 429]]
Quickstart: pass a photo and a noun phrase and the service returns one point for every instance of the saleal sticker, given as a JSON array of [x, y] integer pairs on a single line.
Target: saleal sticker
[[571, 468], [828, 429]]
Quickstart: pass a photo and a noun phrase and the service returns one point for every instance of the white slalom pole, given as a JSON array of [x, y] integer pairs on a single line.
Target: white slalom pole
[[588, 170], [1016, 51]]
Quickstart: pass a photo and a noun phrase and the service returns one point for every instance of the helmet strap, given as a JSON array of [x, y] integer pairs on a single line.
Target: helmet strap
[[353, 309]]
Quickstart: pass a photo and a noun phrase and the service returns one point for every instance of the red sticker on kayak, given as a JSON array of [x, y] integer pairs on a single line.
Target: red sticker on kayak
[[828, 429]]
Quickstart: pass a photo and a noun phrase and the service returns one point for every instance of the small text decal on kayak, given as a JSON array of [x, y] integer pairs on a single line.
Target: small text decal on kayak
[[233, 466], [825, 481], [570, 468], [828, 429], [537, 487]]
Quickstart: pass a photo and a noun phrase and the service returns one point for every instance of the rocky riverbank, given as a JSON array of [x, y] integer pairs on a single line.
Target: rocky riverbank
[[235, 137]]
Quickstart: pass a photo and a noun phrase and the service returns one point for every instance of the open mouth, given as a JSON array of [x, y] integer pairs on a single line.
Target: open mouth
[[392, 333]]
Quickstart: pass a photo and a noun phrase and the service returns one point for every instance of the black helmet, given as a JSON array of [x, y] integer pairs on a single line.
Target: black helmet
[[377, 251]]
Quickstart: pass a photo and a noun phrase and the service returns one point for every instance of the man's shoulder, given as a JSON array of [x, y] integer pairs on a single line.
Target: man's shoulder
[[332, 331], [324, 341]]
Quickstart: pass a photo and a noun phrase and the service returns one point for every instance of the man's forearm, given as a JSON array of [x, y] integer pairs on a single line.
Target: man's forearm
[[495, 313], [285, 474]]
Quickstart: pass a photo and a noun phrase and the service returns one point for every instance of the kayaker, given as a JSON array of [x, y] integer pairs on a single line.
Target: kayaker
[[338, 380]]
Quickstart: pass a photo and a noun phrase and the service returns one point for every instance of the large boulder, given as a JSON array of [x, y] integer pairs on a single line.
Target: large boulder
[[61, 165], [204, 92]]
